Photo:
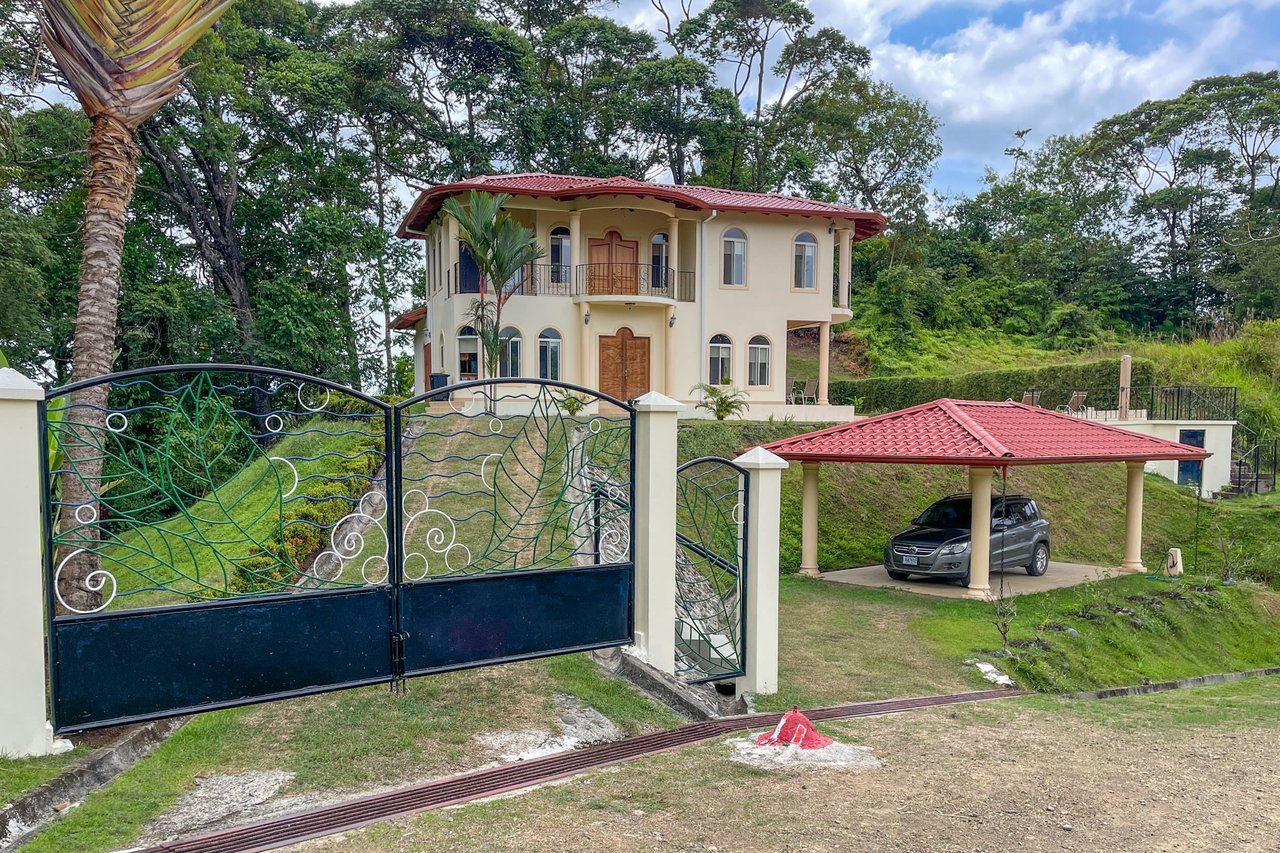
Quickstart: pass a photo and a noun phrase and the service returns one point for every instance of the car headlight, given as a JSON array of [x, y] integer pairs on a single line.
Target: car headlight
[[954, 548]]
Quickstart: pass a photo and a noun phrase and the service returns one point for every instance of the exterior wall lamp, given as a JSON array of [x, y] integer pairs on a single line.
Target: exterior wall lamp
[[671, 321], [586, 319]]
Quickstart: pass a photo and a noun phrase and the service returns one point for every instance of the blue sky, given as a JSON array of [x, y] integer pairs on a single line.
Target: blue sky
[[989, 67]]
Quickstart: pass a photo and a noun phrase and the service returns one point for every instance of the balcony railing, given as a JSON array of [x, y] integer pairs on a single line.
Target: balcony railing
[[633, 280], [1147, 402], [584, 280]]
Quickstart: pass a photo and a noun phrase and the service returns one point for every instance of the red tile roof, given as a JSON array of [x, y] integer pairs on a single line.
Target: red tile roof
[[564, 187], [973, 432], [409, 319]]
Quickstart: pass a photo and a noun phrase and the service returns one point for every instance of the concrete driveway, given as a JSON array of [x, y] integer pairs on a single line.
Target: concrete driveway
[[1016, 581]]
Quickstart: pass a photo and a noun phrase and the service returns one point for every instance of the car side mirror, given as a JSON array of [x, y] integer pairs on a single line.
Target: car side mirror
[[1001, 524]]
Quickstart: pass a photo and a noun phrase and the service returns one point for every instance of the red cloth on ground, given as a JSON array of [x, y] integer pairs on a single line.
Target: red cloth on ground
[[796, 728]]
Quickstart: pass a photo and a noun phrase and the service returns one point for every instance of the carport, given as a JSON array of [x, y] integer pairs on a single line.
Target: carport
[[985, 436]]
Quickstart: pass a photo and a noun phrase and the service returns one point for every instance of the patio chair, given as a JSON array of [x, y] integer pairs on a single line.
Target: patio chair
[[793, 391], [1031, 398], [1075, 406], [810, 393]]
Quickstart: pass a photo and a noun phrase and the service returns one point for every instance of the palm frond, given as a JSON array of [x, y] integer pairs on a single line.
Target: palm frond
[[121, 56]]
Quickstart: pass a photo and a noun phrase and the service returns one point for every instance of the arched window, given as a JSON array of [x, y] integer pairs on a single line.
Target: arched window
[[720, 358], [660, 259], [561, 260], [509, 355], [468, 354], [735, 257], [806, 262], [759, 356], [549, 354]]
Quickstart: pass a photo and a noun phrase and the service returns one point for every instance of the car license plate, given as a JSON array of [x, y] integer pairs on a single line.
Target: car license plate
[[910, 561]]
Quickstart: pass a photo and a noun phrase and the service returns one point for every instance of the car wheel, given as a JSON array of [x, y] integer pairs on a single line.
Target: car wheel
[[899, 576], [964, 579], [1039, 560]]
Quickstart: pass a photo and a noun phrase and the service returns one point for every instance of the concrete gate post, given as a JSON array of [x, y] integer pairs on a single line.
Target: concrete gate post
[[655, 529], [763, 541], [24, 726]]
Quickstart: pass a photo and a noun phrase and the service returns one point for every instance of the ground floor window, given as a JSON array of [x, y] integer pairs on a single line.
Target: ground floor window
[[759, 354], [549, 354], [720, 359], [468, 354], [509, 355]]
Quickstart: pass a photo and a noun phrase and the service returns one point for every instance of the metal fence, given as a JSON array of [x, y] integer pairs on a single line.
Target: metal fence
[[1147, 402]]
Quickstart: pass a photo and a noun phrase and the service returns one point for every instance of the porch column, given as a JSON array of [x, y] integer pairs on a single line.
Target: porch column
[[655, 530], [575, 244], [846, 265], [669, 355], [24, 727], [673, 249], [763, 540], [809, 523], [824, 361], [1132, 563], [979, 532], [585, 372]]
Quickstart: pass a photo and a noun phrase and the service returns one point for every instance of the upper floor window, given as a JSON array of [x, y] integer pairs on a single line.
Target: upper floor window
[[735, 257], [806, 262], [561, 257], [759, 355], [549, 354], [468, 354], [720, 359], [660, 258], [509, 355]]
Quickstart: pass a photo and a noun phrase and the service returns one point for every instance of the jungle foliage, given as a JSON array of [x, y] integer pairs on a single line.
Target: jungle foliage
[[269, 188]]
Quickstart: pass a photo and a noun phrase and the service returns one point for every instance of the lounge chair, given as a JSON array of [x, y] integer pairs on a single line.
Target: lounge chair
[[810, 393], [1075, 406], [1031, 398]]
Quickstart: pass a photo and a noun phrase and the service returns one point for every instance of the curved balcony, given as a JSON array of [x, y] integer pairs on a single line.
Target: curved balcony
[[639, 280]]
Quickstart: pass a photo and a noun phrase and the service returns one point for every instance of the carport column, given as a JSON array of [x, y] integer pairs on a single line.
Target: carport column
[[763, 538], [809, 524], [24, 727], [980, 532], [655, 530], [1133, 520], [824, 361]]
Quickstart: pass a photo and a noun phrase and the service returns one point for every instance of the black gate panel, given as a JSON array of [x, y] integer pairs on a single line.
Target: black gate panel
[[495, 618], [145, 663]]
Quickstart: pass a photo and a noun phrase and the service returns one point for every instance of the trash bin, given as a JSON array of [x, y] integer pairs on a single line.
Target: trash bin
[[439, 380]]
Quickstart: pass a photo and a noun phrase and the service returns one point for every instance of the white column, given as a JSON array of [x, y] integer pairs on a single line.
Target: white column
[[1126, 386], [24, 726], [673, 249], [824, 362], [654, 505], [809, 523], [846, 265], [980, 532], [575, 242], [1133, 520], [763, 540]]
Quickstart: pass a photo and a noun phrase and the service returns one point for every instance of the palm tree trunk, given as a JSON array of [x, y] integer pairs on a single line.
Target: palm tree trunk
[[113, 172]]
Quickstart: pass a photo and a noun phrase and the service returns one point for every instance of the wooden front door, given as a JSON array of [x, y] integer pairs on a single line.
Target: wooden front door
[[624, 365], [613, 263]]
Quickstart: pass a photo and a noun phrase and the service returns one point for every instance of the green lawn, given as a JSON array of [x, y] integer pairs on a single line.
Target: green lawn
[[18, 775]]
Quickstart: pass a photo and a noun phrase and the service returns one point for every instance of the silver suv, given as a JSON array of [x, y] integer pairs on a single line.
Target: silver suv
[[938, 543]]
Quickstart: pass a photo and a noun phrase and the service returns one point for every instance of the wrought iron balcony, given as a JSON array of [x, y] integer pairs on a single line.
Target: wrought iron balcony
[[633, 280], [584, 280]]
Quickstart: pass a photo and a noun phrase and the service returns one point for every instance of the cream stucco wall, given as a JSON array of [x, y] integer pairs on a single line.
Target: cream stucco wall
[[767, 305], [1217, 440]]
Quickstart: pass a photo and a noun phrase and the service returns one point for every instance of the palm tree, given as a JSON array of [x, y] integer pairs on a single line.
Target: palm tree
[[120, 58], [500, 247]]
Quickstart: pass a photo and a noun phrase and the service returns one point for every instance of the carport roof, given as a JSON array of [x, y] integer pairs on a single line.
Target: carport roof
[[975, 432]]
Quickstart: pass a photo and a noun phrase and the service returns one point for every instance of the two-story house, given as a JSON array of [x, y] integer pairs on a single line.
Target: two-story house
[[642, 286]]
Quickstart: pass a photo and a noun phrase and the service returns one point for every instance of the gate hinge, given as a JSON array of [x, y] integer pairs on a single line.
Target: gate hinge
[[398, 639]]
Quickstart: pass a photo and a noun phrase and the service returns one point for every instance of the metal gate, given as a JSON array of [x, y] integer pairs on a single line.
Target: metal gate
[[218, 535], [711, 569]]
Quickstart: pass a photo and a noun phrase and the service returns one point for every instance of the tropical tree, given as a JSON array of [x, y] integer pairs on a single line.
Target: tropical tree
[[121, 61], [500, 247]]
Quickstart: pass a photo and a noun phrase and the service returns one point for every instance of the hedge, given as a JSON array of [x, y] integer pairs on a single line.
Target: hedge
[[888, 393]]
